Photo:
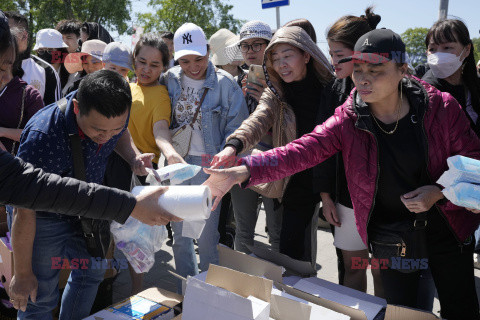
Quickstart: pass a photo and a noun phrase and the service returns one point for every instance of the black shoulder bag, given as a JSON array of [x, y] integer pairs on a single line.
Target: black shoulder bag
[[96, 232]]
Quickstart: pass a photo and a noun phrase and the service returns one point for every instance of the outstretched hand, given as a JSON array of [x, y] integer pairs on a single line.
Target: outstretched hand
[[222, 180]]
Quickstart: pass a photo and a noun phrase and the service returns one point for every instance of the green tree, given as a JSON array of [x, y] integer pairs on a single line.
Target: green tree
[[476, 45], [210, 15], [414, 39], [112, 14]]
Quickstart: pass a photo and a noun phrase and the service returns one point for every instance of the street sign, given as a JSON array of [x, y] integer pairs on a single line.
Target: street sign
[[274, 3]]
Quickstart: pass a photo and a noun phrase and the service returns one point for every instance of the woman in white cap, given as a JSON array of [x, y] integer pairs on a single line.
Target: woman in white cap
[[253, 40], [212, 102], [51, 48]]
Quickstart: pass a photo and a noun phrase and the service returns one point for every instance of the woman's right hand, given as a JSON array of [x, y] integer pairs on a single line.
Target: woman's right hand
[[174, 157], [222, 180], [226, 158], [329, 210]]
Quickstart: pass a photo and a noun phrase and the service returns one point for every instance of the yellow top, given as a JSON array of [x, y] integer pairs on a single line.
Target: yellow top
[[149, 105]]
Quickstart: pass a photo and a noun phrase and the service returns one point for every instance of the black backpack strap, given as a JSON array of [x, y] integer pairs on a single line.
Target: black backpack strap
[[76, 145]]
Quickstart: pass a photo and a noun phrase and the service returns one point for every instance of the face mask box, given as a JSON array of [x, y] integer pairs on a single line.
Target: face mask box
[[151, 304]]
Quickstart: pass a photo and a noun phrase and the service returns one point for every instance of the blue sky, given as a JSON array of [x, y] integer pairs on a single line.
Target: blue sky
[[396, 15]]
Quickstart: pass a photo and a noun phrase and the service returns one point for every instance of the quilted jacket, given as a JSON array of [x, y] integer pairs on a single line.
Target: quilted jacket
[[446, 132]]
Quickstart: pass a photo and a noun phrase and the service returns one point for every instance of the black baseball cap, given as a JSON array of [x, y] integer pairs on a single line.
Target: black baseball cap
[[378, 46]]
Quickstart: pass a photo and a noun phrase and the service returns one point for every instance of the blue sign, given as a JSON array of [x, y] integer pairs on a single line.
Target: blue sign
[[274, 3]]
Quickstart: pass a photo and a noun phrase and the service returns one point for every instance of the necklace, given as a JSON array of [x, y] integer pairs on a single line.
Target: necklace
[[398, 115]]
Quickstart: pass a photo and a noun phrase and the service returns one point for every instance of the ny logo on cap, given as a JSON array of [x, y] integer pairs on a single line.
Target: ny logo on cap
[[366, 43], [187, 37]]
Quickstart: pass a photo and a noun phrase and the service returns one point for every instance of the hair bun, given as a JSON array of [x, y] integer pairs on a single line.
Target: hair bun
[[372, 18]]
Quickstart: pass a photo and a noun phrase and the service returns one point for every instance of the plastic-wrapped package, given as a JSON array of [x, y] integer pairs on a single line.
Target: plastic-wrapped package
[[173, 174], [461, 169], [138, 242], [464, 195]]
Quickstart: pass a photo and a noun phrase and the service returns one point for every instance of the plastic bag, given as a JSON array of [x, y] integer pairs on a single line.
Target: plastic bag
[[464, 195], [138, 242], [461, 169], [173, 174]]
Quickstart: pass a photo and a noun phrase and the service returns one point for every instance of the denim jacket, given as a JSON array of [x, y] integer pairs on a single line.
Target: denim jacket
[[223, 109]]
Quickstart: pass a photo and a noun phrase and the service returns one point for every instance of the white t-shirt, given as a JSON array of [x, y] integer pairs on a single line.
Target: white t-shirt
[[35, 75], [185, 108]]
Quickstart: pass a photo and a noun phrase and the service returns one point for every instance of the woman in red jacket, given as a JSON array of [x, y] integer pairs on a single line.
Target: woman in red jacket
[[395, 134]]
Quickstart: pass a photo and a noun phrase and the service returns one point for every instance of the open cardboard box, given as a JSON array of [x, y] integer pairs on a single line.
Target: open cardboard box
[[147, 304], [243, 285], [265, 268]]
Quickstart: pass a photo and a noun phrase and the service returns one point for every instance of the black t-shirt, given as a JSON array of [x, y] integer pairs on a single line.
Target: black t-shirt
[[402, 169]]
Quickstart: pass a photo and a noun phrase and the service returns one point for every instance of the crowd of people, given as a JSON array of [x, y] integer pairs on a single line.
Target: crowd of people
[[272, 120]]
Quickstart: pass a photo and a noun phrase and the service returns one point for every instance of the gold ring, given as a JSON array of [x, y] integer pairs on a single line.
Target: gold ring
[[12, 300]]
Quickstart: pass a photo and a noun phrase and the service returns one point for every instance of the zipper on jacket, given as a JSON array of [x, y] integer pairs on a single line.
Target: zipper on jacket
[[460, 244], [376, 181]]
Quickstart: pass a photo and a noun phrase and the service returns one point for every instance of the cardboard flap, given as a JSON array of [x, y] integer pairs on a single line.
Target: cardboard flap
[[240, 283], [247, 264], [161, 296], [402, 313], [303, 268], [354, 314], [282, 308]]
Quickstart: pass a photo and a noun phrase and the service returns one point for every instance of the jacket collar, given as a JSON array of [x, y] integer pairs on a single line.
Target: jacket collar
[[414, 91], [210, 79]]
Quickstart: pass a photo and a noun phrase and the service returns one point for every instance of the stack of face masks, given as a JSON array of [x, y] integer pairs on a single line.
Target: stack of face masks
[[462, 182]]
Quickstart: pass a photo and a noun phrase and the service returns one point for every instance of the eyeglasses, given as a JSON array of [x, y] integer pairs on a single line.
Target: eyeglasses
[[256, 47], [49, 50]]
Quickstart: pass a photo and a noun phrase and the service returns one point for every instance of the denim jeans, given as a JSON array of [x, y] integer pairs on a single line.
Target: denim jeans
[[477, 240], [183, 250], [245, 203], [57, 237]]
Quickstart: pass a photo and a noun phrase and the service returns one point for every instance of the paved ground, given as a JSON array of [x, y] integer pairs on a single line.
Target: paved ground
[[160, 277]]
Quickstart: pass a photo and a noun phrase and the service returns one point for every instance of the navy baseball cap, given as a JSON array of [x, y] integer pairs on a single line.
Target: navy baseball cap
[[378, 46]]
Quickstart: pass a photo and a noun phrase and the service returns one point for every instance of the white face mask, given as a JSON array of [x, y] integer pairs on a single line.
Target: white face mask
[[444, 64]]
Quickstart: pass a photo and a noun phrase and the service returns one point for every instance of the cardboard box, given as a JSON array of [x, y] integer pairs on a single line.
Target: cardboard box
[[150, 304], [227, 294], [402, 313]]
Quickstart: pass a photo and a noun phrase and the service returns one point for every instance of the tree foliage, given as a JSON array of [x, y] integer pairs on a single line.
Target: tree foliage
[[210, 15], [414, 39], [113, 14], [476, 45]]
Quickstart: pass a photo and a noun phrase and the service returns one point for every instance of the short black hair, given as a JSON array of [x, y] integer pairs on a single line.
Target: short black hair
[[105, 91], [69, 26], [166, 35], [19, 20], [154, 41]]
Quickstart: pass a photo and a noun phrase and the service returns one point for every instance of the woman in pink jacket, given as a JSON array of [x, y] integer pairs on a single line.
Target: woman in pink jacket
[[395, 133]]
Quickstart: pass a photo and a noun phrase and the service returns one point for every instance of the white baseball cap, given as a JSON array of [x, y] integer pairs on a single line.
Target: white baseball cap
[[189, 39], [95, 48], [49, 38]]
